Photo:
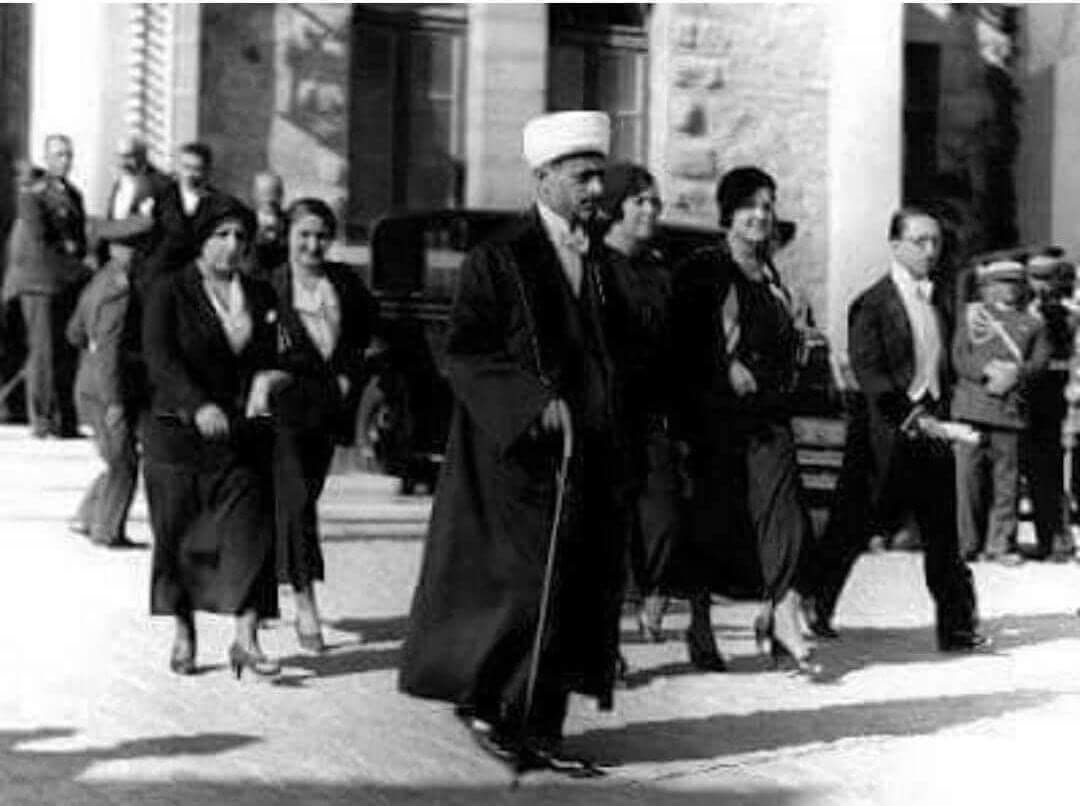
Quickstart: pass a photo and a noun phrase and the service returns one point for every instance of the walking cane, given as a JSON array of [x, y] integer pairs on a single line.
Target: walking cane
[[545, 594]]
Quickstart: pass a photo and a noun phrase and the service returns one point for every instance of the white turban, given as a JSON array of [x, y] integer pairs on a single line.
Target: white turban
[[560, 134]]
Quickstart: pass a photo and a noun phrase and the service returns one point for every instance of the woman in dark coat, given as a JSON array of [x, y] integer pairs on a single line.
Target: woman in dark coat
[[327, 317], [639, 294], [209, 336], [736, 342]]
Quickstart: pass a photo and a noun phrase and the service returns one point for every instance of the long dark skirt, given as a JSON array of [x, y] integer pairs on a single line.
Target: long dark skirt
[[749, 525], [301, 462], [656, 517], [213, 548]]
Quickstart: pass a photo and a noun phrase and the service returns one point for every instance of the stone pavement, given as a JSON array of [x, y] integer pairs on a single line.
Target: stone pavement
[[89, 713]]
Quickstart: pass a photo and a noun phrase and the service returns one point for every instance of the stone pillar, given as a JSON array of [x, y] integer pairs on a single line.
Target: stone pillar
[[77, 87], [864, 146], [1048, 169], [506, 84], [184, 115]]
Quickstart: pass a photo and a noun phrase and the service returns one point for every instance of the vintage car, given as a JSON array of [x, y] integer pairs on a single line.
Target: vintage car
[[404, 415]]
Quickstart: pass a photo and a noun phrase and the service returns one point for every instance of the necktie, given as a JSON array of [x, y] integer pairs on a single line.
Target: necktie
[[575, 240]]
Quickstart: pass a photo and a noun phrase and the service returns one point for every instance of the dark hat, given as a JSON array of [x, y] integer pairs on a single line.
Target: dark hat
[[221, 207], [621, 181], [737, 187]]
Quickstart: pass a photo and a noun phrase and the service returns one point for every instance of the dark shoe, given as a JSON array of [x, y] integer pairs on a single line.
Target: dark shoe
[[817, 620], [704, 653], [963, 642], [622, 667], [494, 741], [258, 663], [804, 665], [550, 755], [119, 543], [1010, 559], [312, 642]]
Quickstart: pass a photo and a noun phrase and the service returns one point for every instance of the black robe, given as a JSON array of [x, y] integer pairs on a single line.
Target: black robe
[[518, 338]]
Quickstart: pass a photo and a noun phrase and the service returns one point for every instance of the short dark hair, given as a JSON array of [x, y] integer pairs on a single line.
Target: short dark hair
[[908, 211], [200, 150], [622, 180], [737, 187], [311, 206]]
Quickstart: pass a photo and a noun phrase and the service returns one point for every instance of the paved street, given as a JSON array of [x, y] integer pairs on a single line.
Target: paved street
[[89, 713]]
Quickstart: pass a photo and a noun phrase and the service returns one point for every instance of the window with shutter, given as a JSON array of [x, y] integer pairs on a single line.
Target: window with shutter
[[149, 106], [599, 60], [407, 126]]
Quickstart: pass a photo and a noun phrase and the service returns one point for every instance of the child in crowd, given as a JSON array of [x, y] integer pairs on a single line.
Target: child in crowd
[[998, 346]]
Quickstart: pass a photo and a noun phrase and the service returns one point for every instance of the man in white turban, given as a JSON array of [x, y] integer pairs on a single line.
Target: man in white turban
[[528, 366]]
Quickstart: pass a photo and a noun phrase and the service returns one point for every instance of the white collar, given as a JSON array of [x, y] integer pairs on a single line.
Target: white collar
[[558, 228], [906, 281]]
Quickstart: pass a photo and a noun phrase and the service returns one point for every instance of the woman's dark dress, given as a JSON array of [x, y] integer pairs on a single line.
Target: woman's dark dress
[[213, 547], [312, 416], [748, 522], [639, 291]]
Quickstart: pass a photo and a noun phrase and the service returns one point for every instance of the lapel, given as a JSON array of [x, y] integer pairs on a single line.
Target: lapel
[[893, 308], [198, 302]]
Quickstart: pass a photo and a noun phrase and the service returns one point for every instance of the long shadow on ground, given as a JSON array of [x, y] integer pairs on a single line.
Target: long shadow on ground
[[39, 775], [730, 735]]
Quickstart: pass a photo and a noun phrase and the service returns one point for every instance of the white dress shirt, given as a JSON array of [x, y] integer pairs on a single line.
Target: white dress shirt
[[124, 196], [925, 332], [569, 245], [320, 312]]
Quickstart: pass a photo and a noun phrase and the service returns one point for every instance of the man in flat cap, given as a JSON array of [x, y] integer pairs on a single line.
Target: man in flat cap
[[531, 376]]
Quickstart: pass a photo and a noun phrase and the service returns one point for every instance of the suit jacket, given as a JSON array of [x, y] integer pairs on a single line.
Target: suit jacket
[[48, 241], [313, 397], [130, 236], [189, 361], [174, 242], [882, 353], [97, 328]]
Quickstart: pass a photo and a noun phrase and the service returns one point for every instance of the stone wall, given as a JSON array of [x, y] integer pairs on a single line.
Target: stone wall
[[274, 94], [745, 84]]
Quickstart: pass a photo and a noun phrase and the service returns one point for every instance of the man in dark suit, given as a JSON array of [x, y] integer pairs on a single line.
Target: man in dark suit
[[529, 366], [125, 235], [179, 212], [898, 337], [46, 272]]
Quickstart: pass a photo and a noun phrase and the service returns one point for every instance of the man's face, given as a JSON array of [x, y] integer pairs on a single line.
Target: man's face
[[129, 158], [919, 245], [58, 157], [572, 187], [191, 170]]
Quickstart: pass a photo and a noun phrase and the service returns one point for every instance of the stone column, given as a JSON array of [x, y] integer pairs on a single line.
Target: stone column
[[865, 139], [184, 115], [77, 87], [506, 84]]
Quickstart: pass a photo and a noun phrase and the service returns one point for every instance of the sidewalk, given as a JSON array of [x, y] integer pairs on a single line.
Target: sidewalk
[[89, 713]]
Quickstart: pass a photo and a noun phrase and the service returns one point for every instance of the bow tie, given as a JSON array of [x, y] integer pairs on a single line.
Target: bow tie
[[575, 240]]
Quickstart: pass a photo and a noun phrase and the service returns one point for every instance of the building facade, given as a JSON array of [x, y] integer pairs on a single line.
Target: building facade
[[380, 106]]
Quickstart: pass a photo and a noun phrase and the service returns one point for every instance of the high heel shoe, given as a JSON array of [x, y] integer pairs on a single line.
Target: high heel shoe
[[803, 665], [703, 652], [311, 641], [763, 636], [182, 658], [259, 664], [650, 631]]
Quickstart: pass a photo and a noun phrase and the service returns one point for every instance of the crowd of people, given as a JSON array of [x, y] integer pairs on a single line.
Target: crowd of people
[[622, 426], [221, 349], [623, 430]]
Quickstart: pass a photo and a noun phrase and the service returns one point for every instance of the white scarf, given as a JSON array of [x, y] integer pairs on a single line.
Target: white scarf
[[233, 314]]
